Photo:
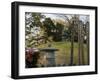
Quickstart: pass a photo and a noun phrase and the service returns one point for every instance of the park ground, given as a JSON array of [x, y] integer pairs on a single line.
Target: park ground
[[63, 55]]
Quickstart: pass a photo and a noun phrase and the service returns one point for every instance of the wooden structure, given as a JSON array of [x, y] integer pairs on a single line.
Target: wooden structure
[[77, 26]]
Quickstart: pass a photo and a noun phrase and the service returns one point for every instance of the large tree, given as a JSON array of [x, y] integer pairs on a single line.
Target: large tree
[[53, 29], [33, 26]]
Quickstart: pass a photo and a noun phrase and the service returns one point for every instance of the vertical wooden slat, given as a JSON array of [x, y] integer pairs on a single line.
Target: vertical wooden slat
[[87, 41], [79, 50], [82, 42], [72, 43]]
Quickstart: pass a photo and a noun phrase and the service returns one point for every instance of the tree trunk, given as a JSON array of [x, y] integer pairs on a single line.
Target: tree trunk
[[72, 45]]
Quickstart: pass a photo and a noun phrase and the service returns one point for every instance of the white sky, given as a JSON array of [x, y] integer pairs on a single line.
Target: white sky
[[56, 16]]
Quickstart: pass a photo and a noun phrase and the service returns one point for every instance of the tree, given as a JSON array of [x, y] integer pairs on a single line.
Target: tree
[[58, 33], [49, 26], [33, 21], [36, 19], [53, 30]]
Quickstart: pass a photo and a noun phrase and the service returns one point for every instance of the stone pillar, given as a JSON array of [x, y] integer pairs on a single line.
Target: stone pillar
[[51, 58], [50, 55]]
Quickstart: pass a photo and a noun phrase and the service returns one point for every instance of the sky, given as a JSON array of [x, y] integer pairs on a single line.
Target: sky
[[84, 18]]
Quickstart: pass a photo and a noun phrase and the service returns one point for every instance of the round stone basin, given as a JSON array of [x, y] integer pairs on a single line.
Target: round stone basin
[[48, 49]]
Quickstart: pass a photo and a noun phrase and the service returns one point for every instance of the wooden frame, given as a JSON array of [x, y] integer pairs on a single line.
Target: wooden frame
[[15, 40]]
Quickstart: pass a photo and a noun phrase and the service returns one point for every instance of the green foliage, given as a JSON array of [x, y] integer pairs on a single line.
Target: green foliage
[[49, 26], [54, 30], [36, 19], [58, 34]]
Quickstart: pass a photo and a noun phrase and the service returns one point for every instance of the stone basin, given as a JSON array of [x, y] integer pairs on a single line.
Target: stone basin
[[49, 49]]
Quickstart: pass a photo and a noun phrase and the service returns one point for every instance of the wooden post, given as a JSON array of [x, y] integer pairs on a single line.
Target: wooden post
[[82, 42], [72, 43], [79, 48], [87, 41]]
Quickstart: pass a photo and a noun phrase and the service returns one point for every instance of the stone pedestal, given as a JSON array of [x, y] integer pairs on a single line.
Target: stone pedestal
[[50, 55]]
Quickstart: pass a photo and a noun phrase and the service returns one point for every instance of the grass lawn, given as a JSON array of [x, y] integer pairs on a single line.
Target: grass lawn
[[63, 55]]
